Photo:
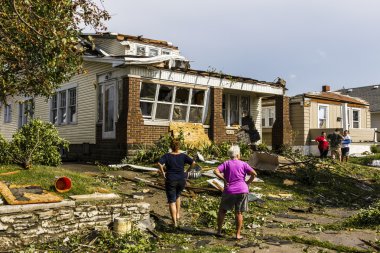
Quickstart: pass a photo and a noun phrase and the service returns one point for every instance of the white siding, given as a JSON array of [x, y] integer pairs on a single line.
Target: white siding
[[8, 129], [84, 129]]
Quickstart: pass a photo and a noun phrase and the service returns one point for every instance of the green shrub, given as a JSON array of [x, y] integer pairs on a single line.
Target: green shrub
[[5, 155], [366, 218], [37, 142], [375, 149]]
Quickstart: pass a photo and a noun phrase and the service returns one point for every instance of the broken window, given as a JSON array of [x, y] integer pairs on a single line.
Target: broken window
[[234, 108], [141, 51], [153, 52], [164, 52], [171, 103]]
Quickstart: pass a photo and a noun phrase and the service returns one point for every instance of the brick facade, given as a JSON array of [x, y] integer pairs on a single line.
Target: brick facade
[[282, 129], [217, 132]]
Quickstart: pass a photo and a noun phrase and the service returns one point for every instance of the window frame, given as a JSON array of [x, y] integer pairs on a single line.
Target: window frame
[[327, 115], [7, 113], [359, 118], [173, 102], [26, 112], [64, 90], [265, 115], [104, 86], [227, 111]]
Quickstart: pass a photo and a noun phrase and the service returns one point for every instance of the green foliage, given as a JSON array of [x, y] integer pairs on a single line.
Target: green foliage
[[106, 241], [366, 218], [5, 155], [375, 149], [263, 147], [147, 154], [37, 142], [40, 48]]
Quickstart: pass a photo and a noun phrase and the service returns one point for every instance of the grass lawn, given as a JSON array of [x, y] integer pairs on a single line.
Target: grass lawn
[[45, 176]]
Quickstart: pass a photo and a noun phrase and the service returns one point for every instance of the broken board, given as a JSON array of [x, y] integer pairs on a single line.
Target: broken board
[[27, 194], [193, 133]]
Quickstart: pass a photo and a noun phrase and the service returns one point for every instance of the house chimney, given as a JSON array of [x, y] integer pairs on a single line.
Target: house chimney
[[326, 88]]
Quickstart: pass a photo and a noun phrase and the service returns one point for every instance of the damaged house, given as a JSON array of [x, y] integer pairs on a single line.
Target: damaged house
[[132, 90]]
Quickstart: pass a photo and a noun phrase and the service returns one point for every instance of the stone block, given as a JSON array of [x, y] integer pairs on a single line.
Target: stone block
[[23, 226], [80, 214], [67, 216], [45, 214], [3, 227], [92, 213]]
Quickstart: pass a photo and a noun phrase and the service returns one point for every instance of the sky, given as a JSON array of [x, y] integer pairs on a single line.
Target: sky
[[309, 43]]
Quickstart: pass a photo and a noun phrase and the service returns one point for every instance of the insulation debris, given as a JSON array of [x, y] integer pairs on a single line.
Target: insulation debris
[[194, 134]]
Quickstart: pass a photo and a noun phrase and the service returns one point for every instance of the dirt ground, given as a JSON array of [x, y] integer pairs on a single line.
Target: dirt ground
[[265, 238]]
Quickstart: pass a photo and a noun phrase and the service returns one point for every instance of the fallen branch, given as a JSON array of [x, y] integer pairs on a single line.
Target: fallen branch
[[371, 244]]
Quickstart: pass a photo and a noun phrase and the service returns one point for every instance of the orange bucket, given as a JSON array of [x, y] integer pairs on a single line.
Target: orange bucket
[[63, 184]]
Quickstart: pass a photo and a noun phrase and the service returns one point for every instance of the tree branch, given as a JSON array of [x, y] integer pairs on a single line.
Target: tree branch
[[23, 20]]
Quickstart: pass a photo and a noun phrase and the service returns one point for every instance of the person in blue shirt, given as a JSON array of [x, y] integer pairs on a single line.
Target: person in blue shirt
[[346, 146], [175, 177]]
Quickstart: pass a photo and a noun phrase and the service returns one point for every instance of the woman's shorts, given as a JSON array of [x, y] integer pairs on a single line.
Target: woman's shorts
[[173, 189], [237, 201], [345, 151]]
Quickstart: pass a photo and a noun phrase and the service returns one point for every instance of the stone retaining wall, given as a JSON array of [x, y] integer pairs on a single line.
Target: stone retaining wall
[[22, 225]]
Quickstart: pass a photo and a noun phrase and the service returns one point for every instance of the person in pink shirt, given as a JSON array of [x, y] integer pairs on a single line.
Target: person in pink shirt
[[235, 194]]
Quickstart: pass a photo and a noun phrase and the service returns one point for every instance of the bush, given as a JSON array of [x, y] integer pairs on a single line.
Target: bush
[[5, 155], [375, 149], [37, 142], [366, 218]]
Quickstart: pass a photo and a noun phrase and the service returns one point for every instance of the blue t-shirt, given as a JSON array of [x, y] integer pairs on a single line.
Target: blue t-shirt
[[175, 165]]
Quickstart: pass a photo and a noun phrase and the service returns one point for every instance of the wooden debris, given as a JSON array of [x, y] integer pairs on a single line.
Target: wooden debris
[[95, 196], [9, 173]]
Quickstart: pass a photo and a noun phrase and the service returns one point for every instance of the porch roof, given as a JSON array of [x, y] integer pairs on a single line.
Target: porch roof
[[335, 96]]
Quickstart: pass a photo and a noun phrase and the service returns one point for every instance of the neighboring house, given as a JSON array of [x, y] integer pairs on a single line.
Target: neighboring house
[[371, 94], [134, 87], [314, 112]]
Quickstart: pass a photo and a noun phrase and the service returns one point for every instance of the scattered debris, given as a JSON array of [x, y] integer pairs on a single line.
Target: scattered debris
[[280, 196], [9, 173], [27, 194], [364, 187], [138, 196], [143, 180], [257, 188], [194, 134], [297, 209], [375, 163], [254, 196], [62, 184], [258, 180], [95, 196], [289, 182], [200, 157], [371, 244], [217, 183], [137, 167], [145, 190], [209, 173], [253, 225]]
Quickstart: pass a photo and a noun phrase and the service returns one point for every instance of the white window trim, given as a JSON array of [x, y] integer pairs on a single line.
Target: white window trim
[[110, 134], [172, 103], [266, 117], [228, 108], [352, 118], [7, 114], [65, 88], [24, 118], [327, 115]]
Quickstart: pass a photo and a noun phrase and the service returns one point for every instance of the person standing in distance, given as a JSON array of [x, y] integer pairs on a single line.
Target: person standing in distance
[[336, 144], [175, 178], [346, 146], [235, 194], [323, 145]]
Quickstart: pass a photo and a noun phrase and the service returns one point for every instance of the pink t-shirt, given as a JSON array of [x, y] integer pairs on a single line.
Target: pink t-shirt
[[234, 171]]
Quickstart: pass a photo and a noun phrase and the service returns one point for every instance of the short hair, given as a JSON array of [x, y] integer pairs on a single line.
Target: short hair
[[174, 145], [234, 151], [323, 132], [337, 130]]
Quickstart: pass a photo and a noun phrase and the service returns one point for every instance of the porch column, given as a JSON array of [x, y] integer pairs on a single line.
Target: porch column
[[282, 130], [345, 116], [217, 124], [256, 109], [134, 120]]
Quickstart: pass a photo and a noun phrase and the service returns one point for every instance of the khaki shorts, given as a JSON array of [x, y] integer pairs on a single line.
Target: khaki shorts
[[237, 201], [336, 151]]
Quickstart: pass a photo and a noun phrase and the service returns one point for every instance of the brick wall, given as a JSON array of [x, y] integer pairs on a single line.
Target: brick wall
[[282, 130], [217, 131]]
